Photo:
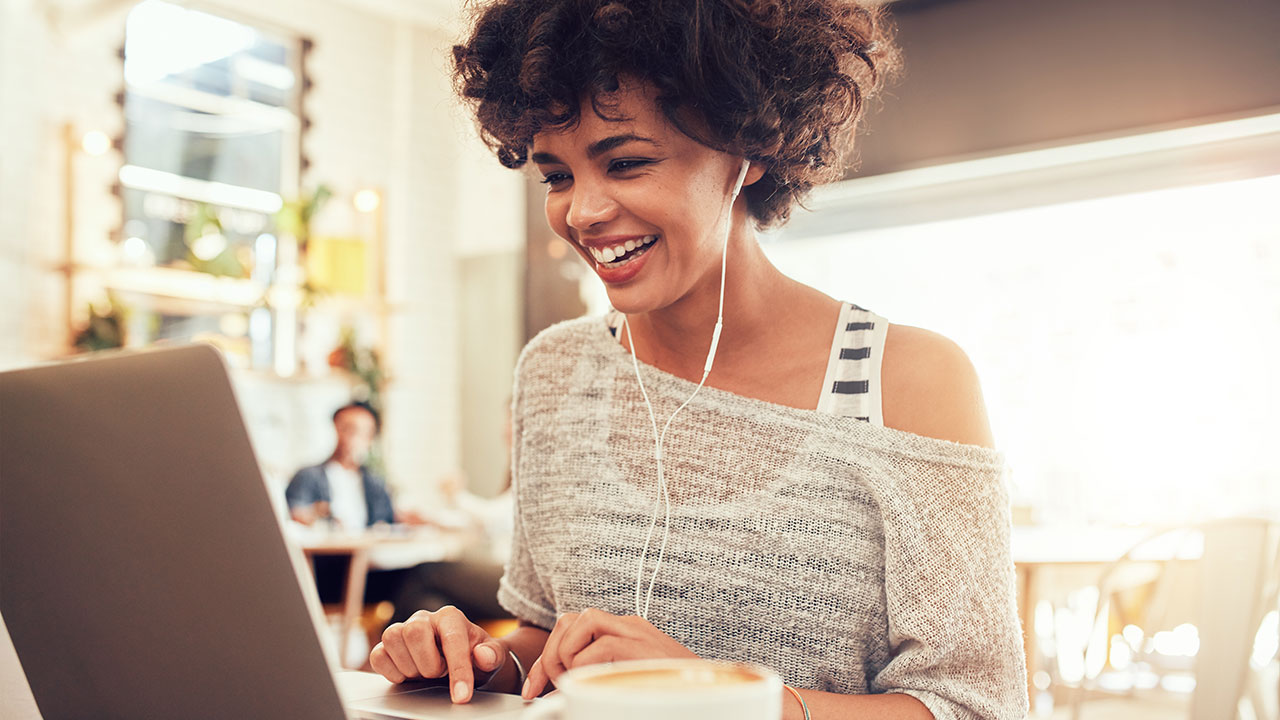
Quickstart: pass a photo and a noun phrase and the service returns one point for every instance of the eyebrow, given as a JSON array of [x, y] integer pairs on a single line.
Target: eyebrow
[[598, 147]]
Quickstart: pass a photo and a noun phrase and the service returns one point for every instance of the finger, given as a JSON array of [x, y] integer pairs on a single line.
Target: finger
[[609, 648], [536, 682], [420, 643], [591, 625], [393, 643], [489, 655], [455, 643], [551, 664], [382, 664]]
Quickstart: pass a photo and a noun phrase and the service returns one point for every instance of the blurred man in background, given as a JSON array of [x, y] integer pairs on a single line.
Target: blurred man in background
[[342, 490], [345, 494]]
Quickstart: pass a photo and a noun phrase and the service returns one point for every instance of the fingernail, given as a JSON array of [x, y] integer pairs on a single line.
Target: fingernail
[[459, 691], [524, 691], [487, 656]]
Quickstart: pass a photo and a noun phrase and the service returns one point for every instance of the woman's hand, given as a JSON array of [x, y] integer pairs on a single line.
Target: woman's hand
[[441, 644], [595, 636]]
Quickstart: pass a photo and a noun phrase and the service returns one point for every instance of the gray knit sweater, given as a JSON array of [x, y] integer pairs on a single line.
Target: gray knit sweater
[[850, 558]]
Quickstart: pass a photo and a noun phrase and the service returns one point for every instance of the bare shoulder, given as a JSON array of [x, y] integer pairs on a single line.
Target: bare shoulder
[[929, 387]]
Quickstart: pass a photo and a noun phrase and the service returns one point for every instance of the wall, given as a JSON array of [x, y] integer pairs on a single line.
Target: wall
[[983, 76], [48, 76], [490, 340], [489, 247]]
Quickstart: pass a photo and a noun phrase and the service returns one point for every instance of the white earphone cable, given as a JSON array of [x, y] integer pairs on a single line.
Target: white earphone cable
[[664, 498]]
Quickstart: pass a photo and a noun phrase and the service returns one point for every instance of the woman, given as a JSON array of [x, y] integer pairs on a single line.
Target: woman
[[819, 496]]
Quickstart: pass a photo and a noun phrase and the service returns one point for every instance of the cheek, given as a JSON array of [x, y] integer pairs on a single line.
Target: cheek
[[692, 210], [557, 210]]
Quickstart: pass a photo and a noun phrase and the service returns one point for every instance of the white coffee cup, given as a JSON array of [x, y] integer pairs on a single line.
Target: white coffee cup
[[668, 689]]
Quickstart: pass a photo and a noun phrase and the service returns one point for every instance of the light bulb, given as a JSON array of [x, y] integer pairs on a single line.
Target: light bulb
[[366, 201], [95, 142]]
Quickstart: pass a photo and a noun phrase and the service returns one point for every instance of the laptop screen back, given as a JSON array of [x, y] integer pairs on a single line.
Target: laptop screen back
[[142, 568]]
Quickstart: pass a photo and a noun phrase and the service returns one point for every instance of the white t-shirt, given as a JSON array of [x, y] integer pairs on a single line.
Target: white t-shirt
[[346, 497]]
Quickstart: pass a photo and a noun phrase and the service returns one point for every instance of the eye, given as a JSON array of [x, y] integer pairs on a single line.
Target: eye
[[625, 164], [555, 178]]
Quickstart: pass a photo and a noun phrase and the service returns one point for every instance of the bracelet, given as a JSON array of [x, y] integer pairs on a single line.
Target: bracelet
[[803, 706], [521, 677]]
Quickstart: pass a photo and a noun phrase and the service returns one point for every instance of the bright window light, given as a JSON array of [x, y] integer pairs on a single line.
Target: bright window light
[[1126, 345], [163, 39], [1267, 642]]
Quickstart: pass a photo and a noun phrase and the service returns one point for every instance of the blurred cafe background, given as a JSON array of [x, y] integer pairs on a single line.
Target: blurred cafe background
[[1085, 195]]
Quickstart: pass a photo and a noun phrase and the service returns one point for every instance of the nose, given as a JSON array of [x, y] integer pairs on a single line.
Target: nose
[[591, 205]]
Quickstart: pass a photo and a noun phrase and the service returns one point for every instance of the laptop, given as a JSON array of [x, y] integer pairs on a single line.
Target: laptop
[[143, 569]]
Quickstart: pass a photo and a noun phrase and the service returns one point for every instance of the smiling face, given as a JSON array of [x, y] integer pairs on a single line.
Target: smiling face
[[640, 201]]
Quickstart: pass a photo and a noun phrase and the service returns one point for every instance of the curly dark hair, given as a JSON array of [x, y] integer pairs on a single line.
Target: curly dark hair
[[780, 82]]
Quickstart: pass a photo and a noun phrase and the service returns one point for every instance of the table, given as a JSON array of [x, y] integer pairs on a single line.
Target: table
[[374, 549], [1076, 555]]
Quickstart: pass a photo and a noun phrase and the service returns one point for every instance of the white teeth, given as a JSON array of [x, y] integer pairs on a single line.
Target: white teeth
[[609, 254]]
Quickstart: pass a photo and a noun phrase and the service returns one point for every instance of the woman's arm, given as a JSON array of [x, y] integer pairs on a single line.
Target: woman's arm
[[594, 636], [948, 571], [884, 706]]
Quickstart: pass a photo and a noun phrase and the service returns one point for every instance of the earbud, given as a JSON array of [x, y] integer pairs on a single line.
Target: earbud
[[742, 177], [658, 439]]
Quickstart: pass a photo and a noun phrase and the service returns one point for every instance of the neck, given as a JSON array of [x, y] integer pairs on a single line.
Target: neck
[[345, 461]]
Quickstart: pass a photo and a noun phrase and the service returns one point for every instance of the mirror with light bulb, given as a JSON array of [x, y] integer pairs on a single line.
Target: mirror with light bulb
[[213, 137]]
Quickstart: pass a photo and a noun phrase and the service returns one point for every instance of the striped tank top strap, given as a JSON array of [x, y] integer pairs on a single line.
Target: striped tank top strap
[[851, 387]]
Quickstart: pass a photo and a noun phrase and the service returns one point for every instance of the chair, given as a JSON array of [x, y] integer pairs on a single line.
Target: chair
[[1263, 692], [1226, 593]]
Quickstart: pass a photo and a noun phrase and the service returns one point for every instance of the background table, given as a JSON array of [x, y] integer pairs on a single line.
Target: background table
[[378, 550], [1232, 563]]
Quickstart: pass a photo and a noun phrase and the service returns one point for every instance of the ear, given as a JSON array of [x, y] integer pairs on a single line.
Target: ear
[[754, 173]]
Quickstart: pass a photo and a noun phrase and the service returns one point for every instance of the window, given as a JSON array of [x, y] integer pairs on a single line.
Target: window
[[211, 150], [1124, 342]]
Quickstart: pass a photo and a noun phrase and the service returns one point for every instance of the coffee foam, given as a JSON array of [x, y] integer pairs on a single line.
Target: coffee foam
[[665, 679]]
